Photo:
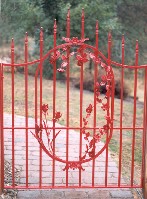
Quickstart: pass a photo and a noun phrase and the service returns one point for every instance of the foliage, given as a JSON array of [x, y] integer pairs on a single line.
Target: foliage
[[18, 16], [102, 10], [88, 84], [132, 15]]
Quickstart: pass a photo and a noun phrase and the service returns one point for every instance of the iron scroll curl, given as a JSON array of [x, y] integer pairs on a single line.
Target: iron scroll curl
[[82, 55]]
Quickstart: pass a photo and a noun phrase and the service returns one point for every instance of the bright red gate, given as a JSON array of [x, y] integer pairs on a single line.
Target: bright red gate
[[58, 157]]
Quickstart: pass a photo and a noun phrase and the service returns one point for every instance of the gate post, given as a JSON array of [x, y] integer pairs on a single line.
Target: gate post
[[145, 173], [145, 142], [1, 131], [145, 161], [0, 137]]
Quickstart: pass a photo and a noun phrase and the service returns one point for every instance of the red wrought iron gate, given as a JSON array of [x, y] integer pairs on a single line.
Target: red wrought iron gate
[[59, 162]]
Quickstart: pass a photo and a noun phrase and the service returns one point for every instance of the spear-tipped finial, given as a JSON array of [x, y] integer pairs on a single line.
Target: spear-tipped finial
[[123, 48], [96, 33], [12, 43], [82, 24], [137, 46], [83, 14], [123, 39], [55, 26], [97, 26], [26, 37], [41, 33], [68, 13], [109, 36], [68, 24], [136, 53]]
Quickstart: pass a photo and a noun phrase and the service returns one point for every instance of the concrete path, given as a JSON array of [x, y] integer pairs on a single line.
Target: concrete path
[[60, 175]]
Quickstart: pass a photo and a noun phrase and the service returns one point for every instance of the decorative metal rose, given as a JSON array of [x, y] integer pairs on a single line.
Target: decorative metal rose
[[82, 56]]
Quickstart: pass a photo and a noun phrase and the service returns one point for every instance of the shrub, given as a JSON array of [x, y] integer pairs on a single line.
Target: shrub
[[88, 84]]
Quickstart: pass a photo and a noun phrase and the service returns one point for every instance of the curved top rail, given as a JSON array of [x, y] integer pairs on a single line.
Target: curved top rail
[[22, 64], [79, 44]]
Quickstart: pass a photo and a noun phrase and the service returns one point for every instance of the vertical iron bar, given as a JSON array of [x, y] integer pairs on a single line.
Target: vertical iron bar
[[95, 80], [121, 113], [1, 132], [67, 93], [108, 100], [54, 103], [36, 98], [134, 114], [81, 97], [12, 71], [145, 143], [2, 122], [26, 103], [1, 165], [41, 55], [144, 151]]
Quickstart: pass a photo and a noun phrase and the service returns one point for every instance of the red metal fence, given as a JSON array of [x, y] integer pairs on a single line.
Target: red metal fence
[[95, 135]]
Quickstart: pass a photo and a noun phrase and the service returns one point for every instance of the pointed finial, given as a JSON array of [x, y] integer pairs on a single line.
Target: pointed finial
[[109, 36], [82, 24], [137, 46], [136, 53], [26, 37], [96, 33], [55, 26], [97, 27], [41, 30], [12, 43], [83, 15], [41, 34], [68, 14], [68, 24], [123, 39]]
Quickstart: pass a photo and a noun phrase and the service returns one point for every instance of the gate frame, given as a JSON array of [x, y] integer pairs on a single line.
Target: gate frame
[[144, 169], [1, 131], [144, 188]]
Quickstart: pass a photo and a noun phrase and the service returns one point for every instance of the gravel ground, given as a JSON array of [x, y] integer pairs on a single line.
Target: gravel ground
[[10, 193]]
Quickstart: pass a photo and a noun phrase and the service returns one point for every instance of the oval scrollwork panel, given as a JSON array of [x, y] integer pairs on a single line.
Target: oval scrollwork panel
[[82, 54]]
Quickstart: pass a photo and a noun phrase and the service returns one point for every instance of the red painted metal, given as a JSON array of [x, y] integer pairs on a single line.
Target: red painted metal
[[67, 93], [73, 187], [40, 69], [82, 53], [144, 155], [12, 83], [54, 103], [26, 104], [1, 181], [144, 129], [68, 44], [134, 114], [108, 111], [121, 112], [95, 80], [1, 131], [81, 97]]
